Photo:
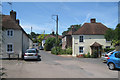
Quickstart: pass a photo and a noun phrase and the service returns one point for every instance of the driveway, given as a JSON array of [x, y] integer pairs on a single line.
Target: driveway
[[52, 66]]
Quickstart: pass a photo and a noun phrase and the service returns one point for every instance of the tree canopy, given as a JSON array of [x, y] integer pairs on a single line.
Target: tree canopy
[[113, 35], [76, 27]]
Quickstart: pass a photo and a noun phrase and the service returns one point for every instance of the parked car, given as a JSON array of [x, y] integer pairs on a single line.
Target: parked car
[[31, 54], [113, 61], [40, 47], [106, 55]]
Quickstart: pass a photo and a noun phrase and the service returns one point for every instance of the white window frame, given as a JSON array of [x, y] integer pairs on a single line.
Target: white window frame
[[10, 31], [83, 38], [12, 48], [79, 49]]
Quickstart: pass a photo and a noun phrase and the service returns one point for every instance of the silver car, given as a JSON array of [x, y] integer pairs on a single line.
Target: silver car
[[106, 55], [31, 54]]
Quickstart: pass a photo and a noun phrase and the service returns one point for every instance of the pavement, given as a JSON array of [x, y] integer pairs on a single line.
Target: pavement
[[53, 66]]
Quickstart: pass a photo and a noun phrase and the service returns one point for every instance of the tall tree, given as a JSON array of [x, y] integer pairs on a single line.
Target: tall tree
[[109, 35]]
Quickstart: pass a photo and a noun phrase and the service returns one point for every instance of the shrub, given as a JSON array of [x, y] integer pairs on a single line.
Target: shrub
[[53, 50], [49, 43], [108, 49], [69, 51]]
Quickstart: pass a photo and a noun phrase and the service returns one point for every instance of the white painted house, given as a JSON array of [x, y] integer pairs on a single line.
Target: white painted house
[[90, 38], [14, 39]]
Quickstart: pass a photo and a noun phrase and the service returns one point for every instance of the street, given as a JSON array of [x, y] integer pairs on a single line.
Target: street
[[53, 66]]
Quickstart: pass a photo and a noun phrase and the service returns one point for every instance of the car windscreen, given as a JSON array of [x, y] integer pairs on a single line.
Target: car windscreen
[[30, 51]]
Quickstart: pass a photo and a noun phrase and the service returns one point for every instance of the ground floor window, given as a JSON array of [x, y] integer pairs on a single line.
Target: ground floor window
[[9, 47], [107, 46], [81, 49]]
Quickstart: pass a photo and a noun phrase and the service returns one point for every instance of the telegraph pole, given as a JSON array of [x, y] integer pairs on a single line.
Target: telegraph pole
[[56, 32]]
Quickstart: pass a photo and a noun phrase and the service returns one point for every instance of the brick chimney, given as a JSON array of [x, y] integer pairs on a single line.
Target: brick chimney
[[93, 20], [73, 29], [13, 15]]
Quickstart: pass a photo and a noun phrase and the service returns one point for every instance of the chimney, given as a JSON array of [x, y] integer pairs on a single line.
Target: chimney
[[13, 14], [73, 29], [17, 21], [93, 20]]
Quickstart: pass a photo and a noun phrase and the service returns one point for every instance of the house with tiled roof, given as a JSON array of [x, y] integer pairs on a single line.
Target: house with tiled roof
[[90, 39], [67, 39], [14, 39]]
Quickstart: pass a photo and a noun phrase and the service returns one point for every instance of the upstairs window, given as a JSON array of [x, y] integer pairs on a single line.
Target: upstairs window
[[81, 39], [9, 32]]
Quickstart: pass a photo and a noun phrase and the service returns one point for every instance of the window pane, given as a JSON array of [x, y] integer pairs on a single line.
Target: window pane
[[8, 32], [11, 33]]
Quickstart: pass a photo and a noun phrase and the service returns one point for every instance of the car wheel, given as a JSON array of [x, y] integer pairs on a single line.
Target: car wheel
[[111, 66]]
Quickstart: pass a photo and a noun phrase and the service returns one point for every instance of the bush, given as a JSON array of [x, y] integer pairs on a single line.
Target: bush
[[69, 51], [61, 51], [108, 49], [49, 43]]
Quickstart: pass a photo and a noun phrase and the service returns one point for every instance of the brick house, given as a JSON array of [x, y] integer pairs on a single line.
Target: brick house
[[67, 38]]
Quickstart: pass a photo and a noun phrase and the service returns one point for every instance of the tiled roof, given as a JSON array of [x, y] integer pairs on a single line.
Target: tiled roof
[[9, 23], [91, 29], [96, 45], [53, 36]]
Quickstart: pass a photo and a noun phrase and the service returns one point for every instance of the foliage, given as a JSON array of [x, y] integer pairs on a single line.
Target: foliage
[[41, 37], [76, 27], [109, 34], [61, 51], [69, 51], [108, 49], [113, 35], [49, 44]]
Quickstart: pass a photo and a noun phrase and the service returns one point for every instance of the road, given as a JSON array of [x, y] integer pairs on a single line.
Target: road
[[53, 66]]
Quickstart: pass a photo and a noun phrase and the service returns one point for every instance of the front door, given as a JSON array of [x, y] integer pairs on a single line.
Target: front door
[[117, 59]]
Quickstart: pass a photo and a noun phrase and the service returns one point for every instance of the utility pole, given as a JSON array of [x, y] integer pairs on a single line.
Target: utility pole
[[56, 32]]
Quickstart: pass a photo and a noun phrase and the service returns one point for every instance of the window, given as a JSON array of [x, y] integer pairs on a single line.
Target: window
[[107, 46], [10, 32], [80, 49], [9, 48], [117, 55], [81, 39]]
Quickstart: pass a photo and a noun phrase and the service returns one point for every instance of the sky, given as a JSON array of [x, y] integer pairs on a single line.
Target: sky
[[39, 14]]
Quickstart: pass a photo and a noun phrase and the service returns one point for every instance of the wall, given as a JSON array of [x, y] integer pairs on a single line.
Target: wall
[[88, 41], [16, 40]]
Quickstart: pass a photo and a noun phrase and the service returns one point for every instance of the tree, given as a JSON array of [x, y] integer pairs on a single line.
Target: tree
[[113, 35], [76, 27], [41, 37], [49, 43], [109, 35]]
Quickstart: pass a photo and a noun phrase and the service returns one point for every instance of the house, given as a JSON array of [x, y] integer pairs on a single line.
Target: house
[[90, 39], [48, 36], [14, 39], [67, 38]]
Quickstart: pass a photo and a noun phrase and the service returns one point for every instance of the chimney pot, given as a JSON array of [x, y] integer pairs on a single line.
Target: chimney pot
[[93, 20]]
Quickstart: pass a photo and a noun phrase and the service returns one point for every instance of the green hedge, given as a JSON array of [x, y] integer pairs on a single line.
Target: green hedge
[[61, 51]]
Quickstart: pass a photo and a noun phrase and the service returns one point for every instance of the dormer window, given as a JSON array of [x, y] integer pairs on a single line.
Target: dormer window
[[10, 33]]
